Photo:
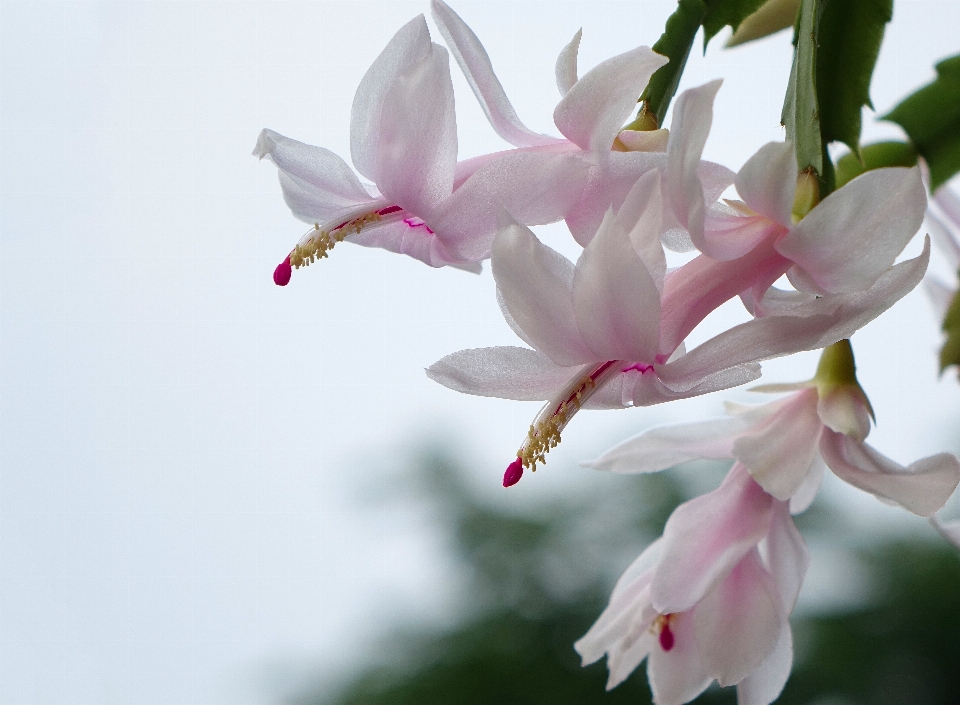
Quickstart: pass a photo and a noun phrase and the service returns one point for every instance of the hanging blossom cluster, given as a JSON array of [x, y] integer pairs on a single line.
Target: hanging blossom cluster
[[711, 599]]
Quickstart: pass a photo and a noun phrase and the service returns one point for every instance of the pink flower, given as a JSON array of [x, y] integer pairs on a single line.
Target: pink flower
[[709, 601], [597, 328], [404, 139], [786, 443], [842, 245], [426, 204]]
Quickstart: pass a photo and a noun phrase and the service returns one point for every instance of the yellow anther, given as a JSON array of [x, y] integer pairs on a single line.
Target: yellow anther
[[320, 242]]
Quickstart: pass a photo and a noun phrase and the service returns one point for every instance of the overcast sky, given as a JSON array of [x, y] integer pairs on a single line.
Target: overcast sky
[[186, 448]]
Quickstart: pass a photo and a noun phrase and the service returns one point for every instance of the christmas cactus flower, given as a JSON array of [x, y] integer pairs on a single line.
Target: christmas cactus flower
[[786, 443], [596, 328], [708, 601], [404, 139]]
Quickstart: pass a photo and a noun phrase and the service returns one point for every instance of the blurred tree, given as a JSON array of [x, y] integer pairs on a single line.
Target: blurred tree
[[540, 578]]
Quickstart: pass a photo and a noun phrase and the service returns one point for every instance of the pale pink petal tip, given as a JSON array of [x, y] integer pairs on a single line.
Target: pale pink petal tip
[[281, 275], [513, 474]]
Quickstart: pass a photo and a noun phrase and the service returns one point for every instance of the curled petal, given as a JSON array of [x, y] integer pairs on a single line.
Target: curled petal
[[475, 64], [667, 446], [536, 286], [417, 153], [922, 487], [739, 622], [855, 233], [615, 300], [787, 555], [768, 181], [765, 684], [706, 537], [692, 117], [807, 492], [317, 184], [502, 372], [779, 453], [594, 109], [408, 47], [566, 69]]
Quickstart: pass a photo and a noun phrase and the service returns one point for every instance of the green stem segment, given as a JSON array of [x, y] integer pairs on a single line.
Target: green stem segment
[[675, 43]]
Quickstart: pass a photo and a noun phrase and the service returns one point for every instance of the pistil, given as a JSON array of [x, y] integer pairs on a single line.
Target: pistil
[[544, 432], [317, 242]]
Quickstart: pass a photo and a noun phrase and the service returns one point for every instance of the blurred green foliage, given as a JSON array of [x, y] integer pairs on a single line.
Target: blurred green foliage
[[540, 577]]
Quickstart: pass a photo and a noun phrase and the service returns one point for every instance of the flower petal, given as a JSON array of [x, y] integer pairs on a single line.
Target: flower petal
[[806, 326], [679, 675], [807, 492], [535, 188], [855, 233], [768, 181], [738, 623], [408, 47], [475, 64], [944, 240], [765, 684], [417, 154], [788, 556], [594, 109], [607, 187], [503, 372], [950, 530], [692, 117], [535, 283], [642, 216], [566, 68], [317, 184], [615, 300], [666, 446], [706, 537], [779, 453], [922, 487]]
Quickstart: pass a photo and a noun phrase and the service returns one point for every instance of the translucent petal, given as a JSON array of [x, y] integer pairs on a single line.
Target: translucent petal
[[855, 233], [408, 47], [478, 70]]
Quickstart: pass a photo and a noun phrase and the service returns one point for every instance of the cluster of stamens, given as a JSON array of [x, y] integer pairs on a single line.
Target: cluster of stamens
[[544, 434], [320, 242]]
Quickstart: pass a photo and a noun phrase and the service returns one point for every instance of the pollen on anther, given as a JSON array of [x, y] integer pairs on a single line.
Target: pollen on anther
[[281, 275], [513, 474]]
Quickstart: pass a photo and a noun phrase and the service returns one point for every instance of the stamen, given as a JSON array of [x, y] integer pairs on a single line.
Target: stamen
[[317, 242], [544, 432]]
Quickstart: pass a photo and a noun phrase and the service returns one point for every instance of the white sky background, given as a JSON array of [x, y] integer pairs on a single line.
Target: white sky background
[[185, 446]]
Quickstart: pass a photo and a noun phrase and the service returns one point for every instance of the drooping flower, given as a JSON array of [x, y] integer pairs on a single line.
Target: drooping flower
[[426, 204], [842, 245], [705, 603], [404, 139], [785, 444], [597, 328]]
